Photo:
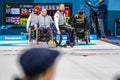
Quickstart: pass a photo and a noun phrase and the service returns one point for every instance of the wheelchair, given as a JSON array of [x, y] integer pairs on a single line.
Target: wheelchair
[[36, 35], [58, 38], [81, 31]]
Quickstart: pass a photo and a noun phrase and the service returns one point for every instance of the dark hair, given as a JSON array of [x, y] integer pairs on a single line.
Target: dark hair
[[102, 0], [25, 78]]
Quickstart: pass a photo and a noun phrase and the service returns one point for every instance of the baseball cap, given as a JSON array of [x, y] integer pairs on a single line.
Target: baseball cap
[[36, 61], [37, 7]]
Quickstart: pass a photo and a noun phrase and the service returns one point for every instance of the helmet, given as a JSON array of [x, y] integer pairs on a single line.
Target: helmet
[[80, 11]]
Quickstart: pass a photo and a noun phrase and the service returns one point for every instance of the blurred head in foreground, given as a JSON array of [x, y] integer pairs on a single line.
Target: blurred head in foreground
[[38, 63]]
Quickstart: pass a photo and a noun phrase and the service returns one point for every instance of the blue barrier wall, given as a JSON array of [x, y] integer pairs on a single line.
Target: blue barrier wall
[[113, 13]]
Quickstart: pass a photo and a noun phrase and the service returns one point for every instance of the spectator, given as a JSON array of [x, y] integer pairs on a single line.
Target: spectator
[[101, 16]]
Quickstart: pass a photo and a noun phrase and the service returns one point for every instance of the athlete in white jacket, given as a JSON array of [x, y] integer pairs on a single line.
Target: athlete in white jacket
[[60, 22]]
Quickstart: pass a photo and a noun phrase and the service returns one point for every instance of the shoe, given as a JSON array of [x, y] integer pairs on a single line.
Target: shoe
[[105, 39], [72, 44], [101, 38]]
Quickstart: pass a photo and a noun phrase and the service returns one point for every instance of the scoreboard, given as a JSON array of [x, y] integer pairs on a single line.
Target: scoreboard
[[18, 13]]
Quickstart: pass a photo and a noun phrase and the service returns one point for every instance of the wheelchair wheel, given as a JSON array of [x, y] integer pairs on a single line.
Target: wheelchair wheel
[[87, 37], [87, 41], [37, 37], [43, 38], [58, 42], [76, 40], [31, 35]]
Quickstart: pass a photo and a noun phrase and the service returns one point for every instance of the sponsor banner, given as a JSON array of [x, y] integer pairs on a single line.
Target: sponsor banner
[[93, 37], [13, 37], [64, 37]]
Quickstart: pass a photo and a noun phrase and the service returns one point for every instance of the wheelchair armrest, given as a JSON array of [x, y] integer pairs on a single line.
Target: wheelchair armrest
[[62, 30]]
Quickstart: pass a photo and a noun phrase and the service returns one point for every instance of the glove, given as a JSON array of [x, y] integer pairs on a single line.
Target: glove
[[89, 3]]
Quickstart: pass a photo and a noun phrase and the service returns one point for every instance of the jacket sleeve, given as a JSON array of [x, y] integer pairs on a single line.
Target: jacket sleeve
[[51, 20], [56, 19], [97, 6], [86, 23], [65, 19], [28, 21]]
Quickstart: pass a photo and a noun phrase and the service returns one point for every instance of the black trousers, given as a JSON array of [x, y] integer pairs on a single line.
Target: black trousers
[[68, 29], [45, 31]]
